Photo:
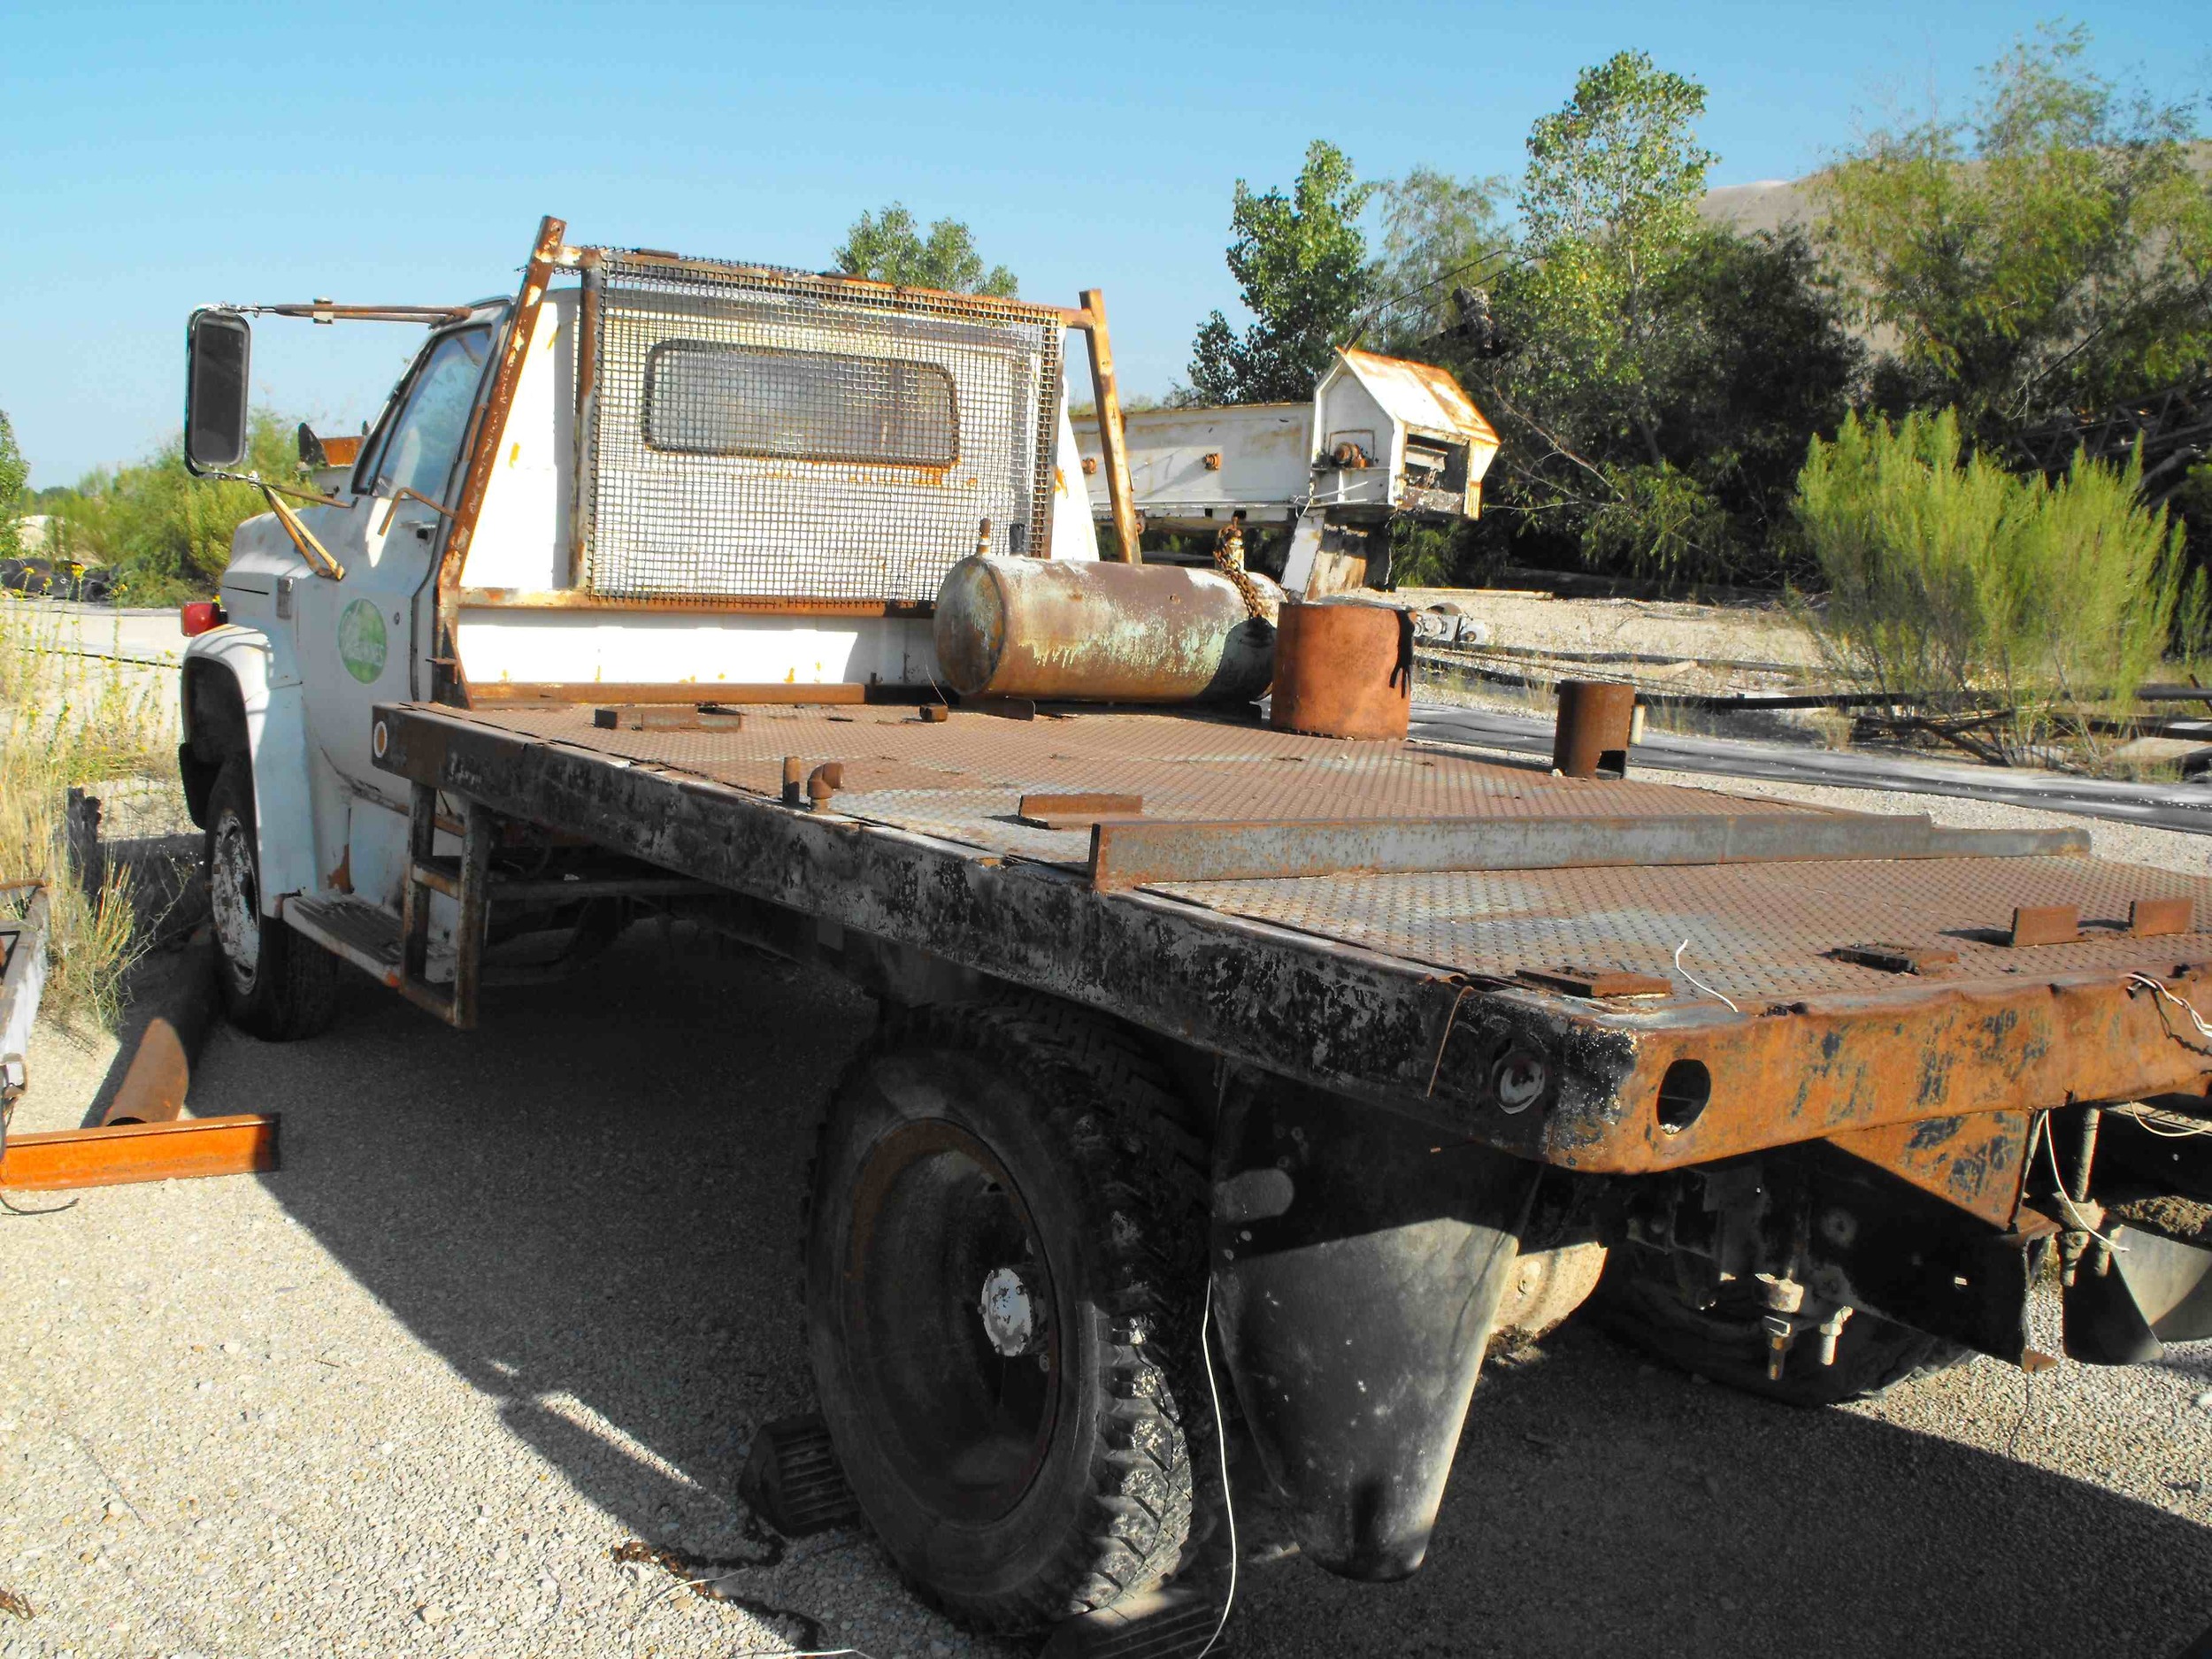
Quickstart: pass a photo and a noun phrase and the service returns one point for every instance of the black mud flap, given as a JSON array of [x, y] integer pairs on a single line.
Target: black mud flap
[[2151, 1291], [1358, 1261]]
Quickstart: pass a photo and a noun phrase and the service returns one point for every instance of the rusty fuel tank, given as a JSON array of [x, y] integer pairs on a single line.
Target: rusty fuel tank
[[1105, 633]]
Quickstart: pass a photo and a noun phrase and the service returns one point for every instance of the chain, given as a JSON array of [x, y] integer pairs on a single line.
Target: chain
[[1229, 560]]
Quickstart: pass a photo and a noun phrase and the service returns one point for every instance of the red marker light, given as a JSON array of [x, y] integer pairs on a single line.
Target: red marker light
[[199, 615]]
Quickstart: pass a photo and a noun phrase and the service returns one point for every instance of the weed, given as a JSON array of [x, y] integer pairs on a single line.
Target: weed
[[1966, 588], [67, 719]]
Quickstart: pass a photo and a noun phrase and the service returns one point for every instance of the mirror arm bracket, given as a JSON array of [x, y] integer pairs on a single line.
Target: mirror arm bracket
[[314, 552], [406, 493]]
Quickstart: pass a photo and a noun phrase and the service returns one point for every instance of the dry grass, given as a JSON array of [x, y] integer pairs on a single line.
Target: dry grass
[[70, 720]]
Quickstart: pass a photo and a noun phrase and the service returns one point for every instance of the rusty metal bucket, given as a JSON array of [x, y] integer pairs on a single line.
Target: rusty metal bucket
[[1343, 670], [1592, 739]]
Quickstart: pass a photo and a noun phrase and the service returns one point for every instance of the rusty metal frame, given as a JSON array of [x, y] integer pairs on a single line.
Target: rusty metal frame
[[320, 312], [590, 303], [1129, 854], [448, 683], [114, 1155], [1113, 441], [583, 599], [1382, 1029]]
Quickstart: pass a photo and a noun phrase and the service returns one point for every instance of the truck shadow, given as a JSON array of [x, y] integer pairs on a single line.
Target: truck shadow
[[591, 1210]]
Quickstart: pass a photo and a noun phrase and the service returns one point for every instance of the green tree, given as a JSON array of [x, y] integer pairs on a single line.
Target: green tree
[[1621, 318], [13, 474], [1441, 235], [2048, 252], [1301, 263], [891, 246], [1608, 214]]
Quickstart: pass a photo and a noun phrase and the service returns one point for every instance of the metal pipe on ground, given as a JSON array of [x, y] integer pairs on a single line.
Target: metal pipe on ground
[[160, 1073]]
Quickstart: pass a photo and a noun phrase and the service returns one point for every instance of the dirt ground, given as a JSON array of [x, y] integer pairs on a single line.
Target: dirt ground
[[521, 1296]]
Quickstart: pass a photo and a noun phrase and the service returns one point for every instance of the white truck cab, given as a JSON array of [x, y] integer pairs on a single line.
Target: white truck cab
[[652, 478]]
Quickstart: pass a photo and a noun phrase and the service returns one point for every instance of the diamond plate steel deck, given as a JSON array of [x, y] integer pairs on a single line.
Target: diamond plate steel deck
[[1755, 933]]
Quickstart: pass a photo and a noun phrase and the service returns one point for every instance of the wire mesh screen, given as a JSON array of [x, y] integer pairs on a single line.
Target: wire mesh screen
[[769, 434]]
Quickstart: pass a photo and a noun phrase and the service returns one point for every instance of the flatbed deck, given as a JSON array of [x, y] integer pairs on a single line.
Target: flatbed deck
[[1410, 986]]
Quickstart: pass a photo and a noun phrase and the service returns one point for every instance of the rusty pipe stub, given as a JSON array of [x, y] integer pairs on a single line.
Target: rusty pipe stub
[[1060, 629], [1343, 669], [1592, 739]]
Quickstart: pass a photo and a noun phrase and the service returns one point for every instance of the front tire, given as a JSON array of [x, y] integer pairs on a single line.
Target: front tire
[[275, 984], [1639, 1300], [1005, 1242]]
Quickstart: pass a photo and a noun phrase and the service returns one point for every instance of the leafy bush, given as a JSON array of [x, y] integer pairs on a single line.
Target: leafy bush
[[166, 532], [1964, 583]]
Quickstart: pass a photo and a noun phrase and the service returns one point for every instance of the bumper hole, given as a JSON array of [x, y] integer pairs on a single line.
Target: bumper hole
[[1683, 1093]]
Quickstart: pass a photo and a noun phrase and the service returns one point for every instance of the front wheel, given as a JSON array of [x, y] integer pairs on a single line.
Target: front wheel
[[1004, 1244], [274, 983], [1639, 1300]]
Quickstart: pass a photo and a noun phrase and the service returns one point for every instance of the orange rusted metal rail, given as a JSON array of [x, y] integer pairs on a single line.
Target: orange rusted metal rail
[[113, 1155]]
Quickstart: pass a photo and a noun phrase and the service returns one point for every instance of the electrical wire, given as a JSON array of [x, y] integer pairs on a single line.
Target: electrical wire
[[2065, 1199], [1693, 979], [1221, 1450], [2195, 1019], [2165, 1126]]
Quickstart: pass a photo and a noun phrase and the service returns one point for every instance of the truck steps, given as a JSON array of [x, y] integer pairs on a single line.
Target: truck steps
[[365, 934], [792, 1480]]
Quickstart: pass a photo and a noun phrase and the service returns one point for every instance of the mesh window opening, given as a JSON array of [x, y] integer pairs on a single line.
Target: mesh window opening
[[758, 434], [705, 398]]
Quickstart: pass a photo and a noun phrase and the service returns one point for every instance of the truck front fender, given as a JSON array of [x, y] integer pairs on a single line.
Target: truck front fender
[[238, 700]]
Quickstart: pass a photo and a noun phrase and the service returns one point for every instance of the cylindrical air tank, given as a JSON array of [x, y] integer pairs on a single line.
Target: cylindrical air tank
[[1073, 631]]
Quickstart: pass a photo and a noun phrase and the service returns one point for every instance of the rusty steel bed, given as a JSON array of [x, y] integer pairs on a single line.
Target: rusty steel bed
[[1482, 944]]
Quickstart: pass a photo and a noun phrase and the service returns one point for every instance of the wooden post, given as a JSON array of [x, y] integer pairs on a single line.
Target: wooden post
[[1111, 442]]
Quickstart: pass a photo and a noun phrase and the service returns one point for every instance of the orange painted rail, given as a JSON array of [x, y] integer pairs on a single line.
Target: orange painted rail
[[113, 1155]]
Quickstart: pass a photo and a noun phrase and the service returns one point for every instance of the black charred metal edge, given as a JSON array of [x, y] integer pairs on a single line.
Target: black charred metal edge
[[1390, 1032]]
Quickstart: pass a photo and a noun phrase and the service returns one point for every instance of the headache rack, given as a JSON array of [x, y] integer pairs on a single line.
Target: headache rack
[[761, 432]]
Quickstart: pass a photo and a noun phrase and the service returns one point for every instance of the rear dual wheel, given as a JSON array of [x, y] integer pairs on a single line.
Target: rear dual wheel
[[1004, 1246]]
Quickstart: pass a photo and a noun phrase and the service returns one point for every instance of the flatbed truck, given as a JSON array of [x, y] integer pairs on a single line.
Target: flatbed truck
[[1202, 1041]]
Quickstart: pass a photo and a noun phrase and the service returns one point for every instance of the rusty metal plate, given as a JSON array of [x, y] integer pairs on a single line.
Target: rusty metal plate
[[1756, 933], [1184, 767], [2045, 924], [2147, 919]]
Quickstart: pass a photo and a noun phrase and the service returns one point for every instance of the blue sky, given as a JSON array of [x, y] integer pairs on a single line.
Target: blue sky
[[153, 157]]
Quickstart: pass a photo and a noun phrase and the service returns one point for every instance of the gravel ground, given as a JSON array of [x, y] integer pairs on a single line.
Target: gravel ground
[[1660, 628], [519, 1297]]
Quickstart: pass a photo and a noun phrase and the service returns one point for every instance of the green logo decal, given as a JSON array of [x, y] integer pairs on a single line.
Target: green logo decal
[[361, 645]]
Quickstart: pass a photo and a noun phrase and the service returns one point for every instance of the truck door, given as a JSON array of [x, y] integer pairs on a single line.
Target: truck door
[[360, 637]]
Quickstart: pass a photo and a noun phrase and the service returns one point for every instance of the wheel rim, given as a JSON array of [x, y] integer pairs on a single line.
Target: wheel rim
[[951, 1321], [234, 900]]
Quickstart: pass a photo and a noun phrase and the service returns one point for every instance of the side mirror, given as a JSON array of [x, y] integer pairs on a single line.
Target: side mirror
[[312, 451], [219, 348]]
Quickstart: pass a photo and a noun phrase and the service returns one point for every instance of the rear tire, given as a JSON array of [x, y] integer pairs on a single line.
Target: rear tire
[[1639, 1300], [275, 983], [1005, 1242]]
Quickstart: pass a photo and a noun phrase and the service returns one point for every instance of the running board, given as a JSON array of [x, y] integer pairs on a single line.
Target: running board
[[368, 936]]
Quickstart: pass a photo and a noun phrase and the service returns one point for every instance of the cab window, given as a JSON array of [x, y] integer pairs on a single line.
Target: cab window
[[425, 441]]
